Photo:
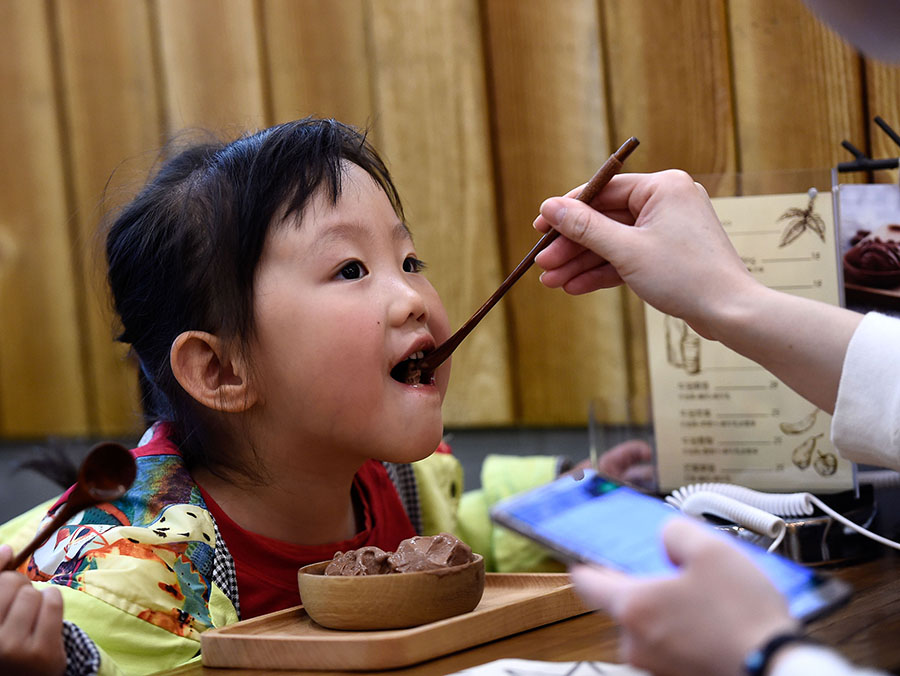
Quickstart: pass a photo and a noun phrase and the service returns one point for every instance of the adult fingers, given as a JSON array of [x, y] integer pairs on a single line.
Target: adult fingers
[[582, 224], [23, 612], [559, 252], [604, 277], [623, 216], [633, 451], [685, 540], [6, 555], [602, 587], [10, 584], [640, 475], [556, 277], [622, 456], [50, 616]]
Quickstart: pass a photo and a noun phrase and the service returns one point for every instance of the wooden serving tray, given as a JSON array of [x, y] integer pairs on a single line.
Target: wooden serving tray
[[289, 639]]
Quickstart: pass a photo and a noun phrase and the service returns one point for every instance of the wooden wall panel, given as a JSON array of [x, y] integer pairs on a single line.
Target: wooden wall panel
[[42, 383], [482, 109], [798, 93], [317, 60], [212, 71], [432, 125], [550, 134], [113, 124], [883, 98], [669, 84]]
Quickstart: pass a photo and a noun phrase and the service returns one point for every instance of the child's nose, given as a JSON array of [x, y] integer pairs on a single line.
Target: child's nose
[[409, 304]]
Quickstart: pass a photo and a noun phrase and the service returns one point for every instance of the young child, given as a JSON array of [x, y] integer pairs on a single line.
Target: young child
[[268, 288]]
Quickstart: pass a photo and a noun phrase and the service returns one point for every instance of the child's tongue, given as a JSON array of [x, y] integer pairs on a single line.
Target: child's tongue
[[409, 373]]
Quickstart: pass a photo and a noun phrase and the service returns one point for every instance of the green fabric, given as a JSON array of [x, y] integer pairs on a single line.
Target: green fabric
[[502, 476], [221, 610], [18, 531], [137, 647], [439, 482], [475, 527]]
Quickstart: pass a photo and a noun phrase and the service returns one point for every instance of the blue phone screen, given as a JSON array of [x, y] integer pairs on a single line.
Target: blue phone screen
[[597, 520]]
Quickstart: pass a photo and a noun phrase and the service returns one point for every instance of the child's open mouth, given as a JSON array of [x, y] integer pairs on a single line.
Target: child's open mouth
[[409, 372]]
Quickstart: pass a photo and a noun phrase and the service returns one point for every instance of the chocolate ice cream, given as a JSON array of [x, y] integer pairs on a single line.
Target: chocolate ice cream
[[363, 561], [422, 552]]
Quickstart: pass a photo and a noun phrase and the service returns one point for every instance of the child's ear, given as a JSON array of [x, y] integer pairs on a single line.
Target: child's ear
[[210, 373]]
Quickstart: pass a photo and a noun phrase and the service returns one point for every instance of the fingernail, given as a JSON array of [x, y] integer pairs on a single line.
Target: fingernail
[[553, 211]]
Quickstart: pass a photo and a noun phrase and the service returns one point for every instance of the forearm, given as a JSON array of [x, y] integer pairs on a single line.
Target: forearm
[[802, 342]]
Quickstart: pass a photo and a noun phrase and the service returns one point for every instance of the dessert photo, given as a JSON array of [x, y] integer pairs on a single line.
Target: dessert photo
[[869, 237]]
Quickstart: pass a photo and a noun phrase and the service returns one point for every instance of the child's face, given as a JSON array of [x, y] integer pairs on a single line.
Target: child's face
[[339, 302]]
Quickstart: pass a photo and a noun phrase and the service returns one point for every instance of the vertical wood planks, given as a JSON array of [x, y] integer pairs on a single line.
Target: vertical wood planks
[[550, 134], [42, 382], [432, 125], [112, 124], [670, 85], [883, 92], [798, 93], [212, 71], [482, 109], [317, 60]]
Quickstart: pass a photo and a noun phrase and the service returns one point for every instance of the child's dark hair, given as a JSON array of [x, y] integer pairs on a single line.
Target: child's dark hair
[[183, 254]]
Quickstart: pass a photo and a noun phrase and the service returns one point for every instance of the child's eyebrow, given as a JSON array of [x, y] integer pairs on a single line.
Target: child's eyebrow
[[354, 231], [402, 232]]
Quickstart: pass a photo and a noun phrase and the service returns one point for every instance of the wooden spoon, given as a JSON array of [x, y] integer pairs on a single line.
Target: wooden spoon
[[421, 370], [105, 474]]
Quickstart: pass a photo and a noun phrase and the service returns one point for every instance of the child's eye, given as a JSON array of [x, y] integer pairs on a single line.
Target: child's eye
[[413, 264], [352, 270]]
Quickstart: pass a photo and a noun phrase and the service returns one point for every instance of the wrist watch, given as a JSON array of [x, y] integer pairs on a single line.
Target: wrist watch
[[758, 661]]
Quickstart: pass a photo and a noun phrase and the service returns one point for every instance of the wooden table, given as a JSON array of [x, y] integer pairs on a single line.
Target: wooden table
[[866, 631]]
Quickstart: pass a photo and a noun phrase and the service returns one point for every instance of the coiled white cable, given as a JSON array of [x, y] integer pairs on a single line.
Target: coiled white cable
[[783, 504], [758, 520]]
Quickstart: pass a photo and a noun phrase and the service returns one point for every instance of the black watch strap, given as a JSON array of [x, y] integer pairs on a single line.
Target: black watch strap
[[758, 661]]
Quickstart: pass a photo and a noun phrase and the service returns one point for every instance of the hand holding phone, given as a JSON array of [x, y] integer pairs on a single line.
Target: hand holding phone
[[698, 622], [603, 522]]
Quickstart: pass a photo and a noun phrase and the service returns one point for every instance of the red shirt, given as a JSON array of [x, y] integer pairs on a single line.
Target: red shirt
[[267, 568]]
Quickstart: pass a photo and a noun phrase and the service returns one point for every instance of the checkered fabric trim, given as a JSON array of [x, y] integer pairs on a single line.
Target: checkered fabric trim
[[224, 575], [404, 479], [82, 655]]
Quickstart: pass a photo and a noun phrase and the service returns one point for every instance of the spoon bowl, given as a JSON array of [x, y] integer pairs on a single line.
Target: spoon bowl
[[105, 474]]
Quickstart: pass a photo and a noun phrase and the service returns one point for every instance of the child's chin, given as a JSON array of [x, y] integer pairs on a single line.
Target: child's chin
[[414, 453]]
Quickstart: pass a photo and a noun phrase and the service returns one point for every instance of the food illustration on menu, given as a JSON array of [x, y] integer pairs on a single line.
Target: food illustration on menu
[[721, 417]]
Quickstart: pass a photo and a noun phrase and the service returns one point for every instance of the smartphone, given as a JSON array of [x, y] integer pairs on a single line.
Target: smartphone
[[597, 520]]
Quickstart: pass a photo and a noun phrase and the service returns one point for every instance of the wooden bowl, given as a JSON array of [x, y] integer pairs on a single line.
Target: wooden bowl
[[390, 601]]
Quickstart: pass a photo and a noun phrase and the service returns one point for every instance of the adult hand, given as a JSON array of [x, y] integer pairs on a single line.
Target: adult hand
[[659, 234], [703, 621], [631, 462], [30, 625]]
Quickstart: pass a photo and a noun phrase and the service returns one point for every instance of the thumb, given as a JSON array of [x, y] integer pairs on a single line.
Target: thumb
[[684, 540], [581, 224], [601, 587], [6, 555]]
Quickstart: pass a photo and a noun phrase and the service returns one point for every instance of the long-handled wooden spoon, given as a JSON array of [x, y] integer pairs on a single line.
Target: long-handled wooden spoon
[[421, 370], [105, 474]]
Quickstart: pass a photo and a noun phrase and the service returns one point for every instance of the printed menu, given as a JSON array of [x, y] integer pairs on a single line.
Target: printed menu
[[719, 417]]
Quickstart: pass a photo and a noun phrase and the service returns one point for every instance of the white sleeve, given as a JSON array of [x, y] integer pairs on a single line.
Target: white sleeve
[[806, 660], [866, 423]]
